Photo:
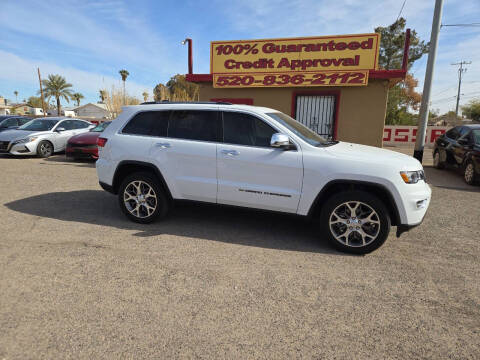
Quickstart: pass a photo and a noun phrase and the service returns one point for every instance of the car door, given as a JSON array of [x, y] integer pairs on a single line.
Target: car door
[[458, 147], [61, 136], [250, 172], [187, 154]]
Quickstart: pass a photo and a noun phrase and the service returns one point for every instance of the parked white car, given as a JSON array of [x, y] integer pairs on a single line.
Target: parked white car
[[259, 158], [43, 136]]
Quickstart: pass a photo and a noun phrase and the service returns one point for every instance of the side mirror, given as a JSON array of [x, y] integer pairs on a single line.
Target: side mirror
[[279, 140], [60, 129]]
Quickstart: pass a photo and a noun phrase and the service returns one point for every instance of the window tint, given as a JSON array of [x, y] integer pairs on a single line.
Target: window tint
[[23, 121], [194, 125], [452, 133], [463, 131], [80, 124], [244, 129], [153, 123], [67, 124], [9, 122]]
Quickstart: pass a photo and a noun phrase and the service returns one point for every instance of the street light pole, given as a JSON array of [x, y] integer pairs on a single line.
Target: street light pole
[[427, 85]]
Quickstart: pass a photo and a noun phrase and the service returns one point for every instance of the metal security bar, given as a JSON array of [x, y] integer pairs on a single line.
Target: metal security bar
[[317, 113]]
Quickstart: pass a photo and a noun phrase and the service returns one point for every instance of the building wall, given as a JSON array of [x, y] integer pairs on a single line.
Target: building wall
[[91, 111], [361, 111]]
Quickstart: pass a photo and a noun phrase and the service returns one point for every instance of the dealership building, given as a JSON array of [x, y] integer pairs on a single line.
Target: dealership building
[[331, 84]]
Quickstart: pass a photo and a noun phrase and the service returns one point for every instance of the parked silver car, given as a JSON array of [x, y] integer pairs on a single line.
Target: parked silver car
[[42, 136]]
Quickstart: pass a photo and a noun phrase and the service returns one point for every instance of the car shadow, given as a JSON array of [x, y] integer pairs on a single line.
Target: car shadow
[[217, 223], [450, 178], [63, 160]]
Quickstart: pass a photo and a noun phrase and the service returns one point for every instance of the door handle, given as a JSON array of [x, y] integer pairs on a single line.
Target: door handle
[[230, 152], [163, 145]]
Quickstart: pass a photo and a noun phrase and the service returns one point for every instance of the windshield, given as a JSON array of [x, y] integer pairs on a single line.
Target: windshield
[[476, 136], [101, 127], [298, 129], [39, 125]]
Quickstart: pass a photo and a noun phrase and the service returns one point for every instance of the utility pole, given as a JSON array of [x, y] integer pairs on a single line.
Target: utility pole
[[427, 85], [461, 70], [41, 92]]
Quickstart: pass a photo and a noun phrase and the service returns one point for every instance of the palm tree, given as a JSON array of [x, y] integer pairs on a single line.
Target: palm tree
[[77, 97], [56, 86], [124, 74], [103, 95], [16, 96], [145, 96]]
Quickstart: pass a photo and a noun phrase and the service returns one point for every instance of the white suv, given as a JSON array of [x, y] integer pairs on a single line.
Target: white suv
[[259, 158]]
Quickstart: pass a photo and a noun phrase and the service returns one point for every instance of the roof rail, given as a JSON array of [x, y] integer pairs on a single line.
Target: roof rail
[[186, 102]]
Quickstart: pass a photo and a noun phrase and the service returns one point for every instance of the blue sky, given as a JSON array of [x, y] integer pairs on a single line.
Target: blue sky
[[89, 41]]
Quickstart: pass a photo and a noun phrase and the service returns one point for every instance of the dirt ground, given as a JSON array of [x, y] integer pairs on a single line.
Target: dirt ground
[[79, 281]]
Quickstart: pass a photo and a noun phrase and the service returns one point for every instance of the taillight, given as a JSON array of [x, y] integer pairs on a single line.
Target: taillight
[[101, 141]]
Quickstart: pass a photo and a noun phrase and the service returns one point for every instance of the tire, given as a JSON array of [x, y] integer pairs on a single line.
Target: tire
[[437, 163], [371, 223], [145, 209], [44, 149], [469, 173]]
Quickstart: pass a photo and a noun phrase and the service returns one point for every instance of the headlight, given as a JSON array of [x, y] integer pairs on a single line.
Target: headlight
[[25, 140], [412, 177]]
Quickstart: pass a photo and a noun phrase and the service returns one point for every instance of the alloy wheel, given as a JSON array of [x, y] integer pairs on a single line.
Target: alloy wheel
[[469, 173], [354, 223], [140, 199], [46, 149]]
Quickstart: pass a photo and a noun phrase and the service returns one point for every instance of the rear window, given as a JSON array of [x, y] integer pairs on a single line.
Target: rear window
[[194, 125], [151, 123]]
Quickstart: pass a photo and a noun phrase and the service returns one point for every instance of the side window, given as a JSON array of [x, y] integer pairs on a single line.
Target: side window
[[10, 122], [194, 125], [244, 129], [80, 124], [23, 121], [153, 123], [463, 131], [67, 125], [452, 133]]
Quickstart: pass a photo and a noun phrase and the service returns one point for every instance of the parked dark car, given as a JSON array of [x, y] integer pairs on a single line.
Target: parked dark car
[[460, 147], [84, 146], [12, 121]]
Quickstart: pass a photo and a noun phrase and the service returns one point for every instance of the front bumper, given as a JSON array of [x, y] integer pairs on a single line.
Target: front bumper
[[416, 200], [23, 148]]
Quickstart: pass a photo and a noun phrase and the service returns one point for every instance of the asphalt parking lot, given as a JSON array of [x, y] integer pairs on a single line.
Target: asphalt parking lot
[[79, 281]]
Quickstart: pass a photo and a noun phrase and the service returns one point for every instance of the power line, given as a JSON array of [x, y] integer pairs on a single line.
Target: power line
[[401, 9], [463, 25]]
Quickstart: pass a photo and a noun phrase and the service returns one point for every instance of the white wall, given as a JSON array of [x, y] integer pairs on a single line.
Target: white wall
[[406, 135]]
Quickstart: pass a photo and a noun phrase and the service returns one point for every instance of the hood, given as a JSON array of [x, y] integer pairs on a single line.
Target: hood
[[85, 138], [374, 155], [10, 135]]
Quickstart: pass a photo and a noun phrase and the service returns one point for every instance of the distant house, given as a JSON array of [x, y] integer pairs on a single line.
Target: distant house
[[65, 111], [4, 107], [92, 111]]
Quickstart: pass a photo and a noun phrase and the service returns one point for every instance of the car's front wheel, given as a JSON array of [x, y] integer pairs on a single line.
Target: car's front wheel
[[45, 149], [141, 198], [355, 222], [469, 173]]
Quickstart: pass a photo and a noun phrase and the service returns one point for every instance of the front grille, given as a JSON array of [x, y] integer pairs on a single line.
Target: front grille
[[4, 145]]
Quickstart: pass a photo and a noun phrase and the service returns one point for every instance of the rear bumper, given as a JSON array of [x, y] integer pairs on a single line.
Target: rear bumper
[[82, 152]]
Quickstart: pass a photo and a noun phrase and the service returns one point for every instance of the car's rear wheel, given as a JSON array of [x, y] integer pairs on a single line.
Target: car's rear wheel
[[355, 222], [44, 149], [469, 173], [142, 199], [437, 162]]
